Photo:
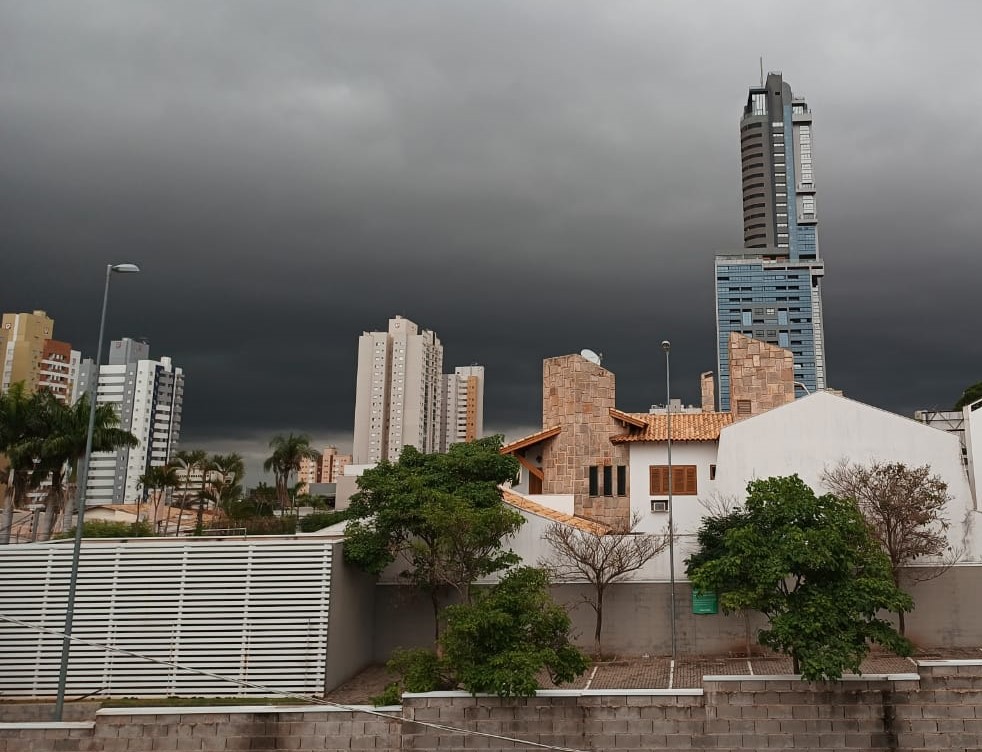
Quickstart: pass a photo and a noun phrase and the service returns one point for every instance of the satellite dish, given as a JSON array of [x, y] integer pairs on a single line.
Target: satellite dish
[[590, 355]]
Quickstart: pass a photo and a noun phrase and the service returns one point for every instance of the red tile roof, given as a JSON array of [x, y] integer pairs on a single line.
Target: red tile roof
[[685, 427], [527, 505]]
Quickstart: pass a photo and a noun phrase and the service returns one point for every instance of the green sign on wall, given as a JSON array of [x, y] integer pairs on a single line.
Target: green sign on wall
[[704, 603]]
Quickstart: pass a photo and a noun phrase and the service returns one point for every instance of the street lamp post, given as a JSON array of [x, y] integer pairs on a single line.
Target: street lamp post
[[83, 477], [666, 346]]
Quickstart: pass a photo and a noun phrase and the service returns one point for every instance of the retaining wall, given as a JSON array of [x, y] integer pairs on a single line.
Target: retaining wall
[[939, 709]]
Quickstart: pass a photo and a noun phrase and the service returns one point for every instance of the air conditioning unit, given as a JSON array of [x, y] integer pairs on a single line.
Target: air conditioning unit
[[659, 505]]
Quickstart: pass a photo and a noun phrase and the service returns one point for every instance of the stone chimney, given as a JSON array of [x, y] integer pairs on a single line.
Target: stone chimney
[[761, 376], [708, 386]]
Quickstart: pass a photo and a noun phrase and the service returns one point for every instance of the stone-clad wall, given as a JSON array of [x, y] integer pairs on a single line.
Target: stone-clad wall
[[760, 373], [577, 395], [941, 711]]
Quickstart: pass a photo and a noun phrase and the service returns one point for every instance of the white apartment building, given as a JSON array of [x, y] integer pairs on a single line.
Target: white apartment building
[[148, 396], [462, 406], [399, 386]]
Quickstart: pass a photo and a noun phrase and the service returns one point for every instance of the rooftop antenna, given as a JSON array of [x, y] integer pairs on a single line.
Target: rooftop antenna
[[761, 71]]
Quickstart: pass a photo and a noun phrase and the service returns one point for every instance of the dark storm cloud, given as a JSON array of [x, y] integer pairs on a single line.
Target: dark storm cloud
[[527, 179]]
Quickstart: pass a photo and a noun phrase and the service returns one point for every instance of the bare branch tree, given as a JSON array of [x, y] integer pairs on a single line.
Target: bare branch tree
[[905, 508], [599, 559], [719, 505]]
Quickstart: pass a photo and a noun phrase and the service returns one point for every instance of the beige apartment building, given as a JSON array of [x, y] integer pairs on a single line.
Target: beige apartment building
[[22, 344], [325, 470], [398, 392], [462, 406]]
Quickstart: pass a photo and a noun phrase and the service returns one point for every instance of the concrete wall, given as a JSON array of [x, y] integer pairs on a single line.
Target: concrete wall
[[637, 617], [940, 709], [349, 643]]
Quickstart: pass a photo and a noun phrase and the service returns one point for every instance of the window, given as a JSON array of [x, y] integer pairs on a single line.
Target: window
[[622, 480], [712, 472], [683, 480], [608, 480], [594, 482]]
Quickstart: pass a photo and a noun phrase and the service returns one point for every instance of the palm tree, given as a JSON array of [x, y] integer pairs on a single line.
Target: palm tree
[[19, 437], [225, 486], [288, 451], [207, 468], [158, 479], [65, 430], [189, 461]]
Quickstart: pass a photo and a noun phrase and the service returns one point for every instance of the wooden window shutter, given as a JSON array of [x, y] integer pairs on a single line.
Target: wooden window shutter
[[684, 480]]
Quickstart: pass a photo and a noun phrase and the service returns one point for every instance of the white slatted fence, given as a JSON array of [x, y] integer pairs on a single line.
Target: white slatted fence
[[252, 610]]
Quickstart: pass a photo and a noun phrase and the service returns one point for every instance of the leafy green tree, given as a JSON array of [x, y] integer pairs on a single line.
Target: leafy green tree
[[500, 643], [440, 513], [508, 635], [288, 452], [811, 566], [970, 395], [710, 540], [905, 509]]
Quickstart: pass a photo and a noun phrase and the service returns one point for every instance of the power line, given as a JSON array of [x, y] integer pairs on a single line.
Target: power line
[[285, 693]]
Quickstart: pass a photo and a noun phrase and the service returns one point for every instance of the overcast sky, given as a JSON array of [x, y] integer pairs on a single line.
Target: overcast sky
[[525, 178]]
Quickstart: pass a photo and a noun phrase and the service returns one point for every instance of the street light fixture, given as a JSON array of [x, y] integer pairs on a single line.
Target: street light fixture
[[83, 477], [666, 347]]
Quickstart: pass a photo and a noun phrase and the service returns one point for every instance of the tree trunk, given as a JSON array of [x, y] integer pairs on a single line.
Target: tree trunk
[[69, 498], [599, 608], [51, 509], [746, 628], [8, 512], [184, 500], [901, 620], [436, 621]]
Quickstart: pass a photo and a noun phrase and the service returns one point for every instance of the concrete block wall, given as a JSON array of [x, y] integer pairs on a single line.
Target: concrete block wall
[[941, 709]]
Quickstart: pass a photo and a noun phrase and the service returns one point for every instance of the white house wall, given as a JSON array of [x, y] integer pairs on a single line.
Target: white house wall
[[686, 509], [816, 432]]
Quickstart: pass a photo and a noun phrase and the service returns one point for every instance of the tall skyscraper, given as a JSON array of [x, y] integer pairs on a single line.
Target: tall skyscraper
[[397, 398], [462, 406], [771, 290], [148, 396], [22, 338], [58, 372]]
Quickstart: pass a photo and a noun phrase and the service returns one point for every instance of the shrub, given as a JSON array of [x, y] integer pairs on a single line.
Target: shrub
[[314, 522], [111, 529]]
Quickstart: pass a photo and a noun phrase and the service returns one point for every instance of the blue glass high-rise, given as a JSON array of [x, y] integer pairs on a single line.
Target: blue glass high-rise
[[771, 289]]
